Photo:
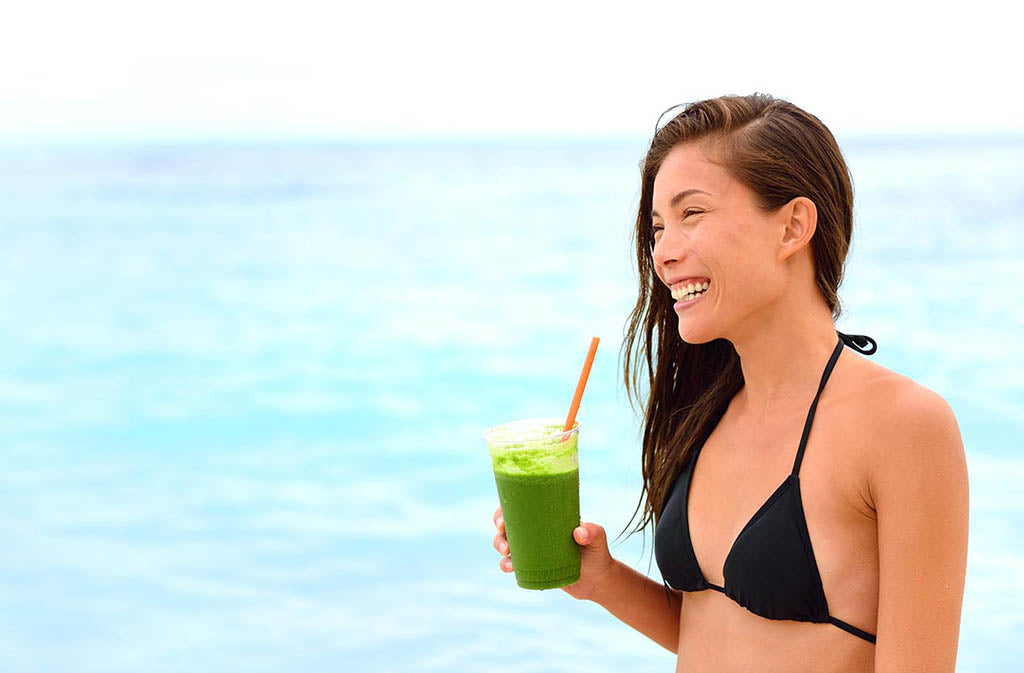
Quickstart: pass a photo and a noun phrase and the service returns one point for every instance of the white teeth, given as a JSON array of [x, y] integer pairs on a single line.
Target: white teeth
[[689, 291]]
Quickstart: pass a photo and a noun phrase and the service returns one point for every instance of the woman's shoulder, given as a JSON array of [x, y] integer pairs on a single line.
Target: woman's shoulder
[[895, 402], [902, 423]]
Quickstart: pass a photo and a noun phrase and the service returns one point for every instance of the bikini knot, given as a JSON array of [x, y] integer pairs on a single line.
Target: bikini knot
[[861, 343]]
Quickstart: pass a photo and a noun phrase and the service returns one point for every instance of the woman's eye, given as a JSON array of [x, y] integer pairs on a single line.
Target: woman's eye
[[658, 228]]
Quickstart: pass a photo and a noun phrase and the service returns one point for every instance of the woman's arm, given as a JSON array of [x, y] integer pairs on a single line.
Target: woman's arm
[[919, 488], [641, 603]]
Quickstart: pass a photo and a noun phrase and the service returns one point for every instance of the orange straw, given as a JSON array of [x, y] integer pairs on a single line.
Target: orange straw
[[580, 385]]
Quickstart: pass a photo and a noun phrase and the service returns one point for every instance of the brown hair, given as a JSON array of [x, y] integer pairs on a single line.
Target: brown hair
[[779, 152]]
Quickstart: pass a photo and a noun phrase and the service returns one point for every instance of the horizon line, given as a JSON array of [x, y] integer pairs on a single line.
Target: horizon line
[[453, 138]]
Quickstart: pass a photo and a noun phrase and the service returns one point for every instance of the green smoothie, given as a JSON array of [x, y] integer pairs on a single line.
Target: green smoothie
[[537, 476]]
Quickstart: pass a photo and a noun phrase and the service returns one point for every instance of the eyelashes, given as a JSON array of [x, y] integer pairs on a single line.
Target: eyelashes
[[686, 213]]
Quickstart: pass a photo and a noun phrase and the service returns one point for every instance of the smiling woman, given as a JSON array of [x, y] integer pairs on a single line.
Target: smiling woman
[[746, 216], [782, 549]]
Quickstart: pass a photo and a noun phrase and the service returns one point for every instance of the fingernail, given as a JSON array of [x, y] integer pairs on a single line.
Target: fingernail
[[500, 521], [502, 547]]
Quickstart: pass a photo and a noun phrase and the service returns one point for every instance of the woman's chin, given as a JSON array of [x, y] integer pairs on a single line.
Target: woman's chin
[[698, 331], [692, 336]]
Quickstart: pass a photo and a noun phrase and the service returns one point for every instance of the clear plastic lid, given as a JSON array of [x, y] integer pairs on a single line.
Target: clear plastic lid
[[529, 431]]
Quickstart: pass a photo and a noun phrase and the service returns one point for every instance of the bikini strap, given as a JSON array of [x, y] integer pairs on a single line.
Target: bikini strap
[[861, 343], [858, 342]]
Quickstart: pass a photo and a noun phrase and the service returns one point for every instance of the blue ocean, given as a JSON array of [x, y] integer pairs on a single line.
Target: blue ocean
[[243, 387]]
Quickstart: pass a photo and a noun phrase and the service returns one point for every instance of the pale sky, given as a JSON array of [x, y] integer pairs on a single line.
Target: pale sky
[[124, 70]]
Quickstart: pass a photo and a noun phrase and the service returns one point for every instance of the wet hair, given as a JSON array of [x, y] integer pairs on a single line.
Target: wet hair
[[779, 152]]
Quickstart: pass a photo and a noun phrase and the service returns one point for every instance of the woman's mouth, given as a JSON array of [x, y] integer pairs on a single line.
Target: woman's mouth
[[689, 292]]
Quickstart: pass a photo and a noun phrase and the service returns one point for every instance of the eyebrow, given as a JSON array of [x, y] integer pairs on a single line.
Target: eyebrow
[[679, 197]]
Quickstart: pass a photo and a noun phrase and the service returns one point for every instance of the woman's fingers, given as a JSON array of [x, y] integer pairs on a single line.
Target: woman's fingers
[[501, 544]]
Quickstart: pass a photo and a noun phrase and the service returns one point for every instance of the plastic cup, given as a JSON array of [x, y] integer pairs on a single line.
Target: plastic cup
[[536, 470]]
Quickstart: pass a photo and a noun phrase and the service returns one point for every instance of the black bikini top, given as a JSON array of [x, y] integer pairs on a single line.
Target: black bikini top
[[770, 569]]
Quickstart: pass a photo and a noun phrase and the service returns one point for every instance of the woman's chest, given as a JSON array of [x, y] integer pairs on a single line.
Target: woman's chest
[[743, 479]]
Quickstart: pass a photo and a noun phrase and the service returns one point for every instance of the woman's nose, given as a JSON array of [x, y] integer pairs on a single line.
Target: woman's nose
[[669, 247]]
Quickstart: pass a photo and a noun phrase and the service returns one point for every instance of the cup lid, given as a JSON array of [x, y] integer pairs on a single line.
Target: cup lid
[[529, 429]]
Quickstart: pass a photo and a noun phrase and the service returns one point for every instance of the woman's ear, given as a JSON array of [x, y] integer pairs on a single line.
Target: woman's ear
[[798, 220]]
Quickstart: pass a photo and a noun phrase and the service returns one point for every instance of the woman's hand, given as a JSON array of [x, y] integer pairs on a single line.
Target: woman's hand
[[596, 562]]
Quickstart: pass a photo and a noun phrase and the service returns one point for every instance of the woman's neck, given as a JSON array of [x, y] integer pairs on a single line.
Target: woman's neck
[[782, 355]]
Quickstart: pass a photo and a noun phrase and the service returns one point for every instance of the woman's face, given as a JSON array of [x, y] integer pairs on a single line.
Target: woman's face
[[716, 237]]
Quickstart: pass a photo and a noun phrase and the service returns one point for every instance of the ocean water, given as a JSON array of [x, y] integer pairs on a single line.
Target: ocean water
[[243, 386]]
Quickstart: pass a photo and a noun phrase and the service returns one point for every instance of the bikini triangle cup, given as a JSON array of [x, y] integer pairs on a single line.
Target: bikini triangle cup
[[770, 568]]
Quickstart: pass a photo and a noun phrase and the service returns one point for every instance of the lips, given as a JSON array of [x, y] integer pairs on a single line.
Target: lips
[[681, 280]]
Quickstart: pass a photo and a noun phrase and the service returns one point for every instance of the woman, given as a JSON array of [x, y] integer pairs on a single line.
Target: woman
[[824, 526]]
